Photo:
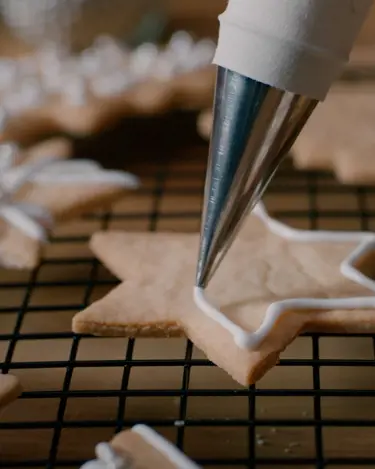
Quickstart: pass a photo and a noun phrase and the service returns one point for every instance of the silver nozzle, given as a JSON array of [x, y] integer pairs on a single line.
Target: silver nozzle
[[254, 127]]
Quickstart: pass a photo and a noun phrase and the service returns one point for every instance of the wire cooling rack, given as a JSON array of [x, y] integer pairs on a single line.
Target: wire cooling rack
[[316, 409]]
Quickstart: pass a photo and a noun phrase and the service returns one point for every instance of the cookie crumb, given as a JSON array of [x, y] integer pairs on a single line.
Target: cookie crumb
[[294, 444], [261, 442]]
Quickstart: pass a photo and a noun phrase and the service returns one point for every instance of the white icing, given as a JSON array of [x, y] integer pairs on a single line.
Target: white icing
[[110, 84], [107, 458], [8, 72], [3, 118], [251, 340], [164, 447], [26, 94], [83, 172], [33, 219], [113, 69], [74, 90]]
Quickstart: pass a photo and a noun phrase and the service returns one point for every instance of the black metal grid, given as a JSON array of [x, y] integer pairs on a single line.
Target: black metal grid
[[312, 200]]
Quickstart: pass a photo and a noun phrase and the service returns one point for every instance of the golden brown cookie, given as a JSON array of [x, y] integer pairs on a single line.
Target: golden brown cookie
[[10, 389], [275, 283], [140, 447], [39, 187]]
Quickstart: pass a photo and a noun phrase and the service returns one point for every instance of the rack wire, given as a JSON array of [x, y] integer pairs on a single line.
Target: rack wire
[[314, 410]]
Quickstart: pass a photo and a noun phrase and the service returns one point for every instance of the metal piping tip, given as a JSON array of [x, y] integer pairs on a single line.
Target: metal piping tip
[[254, 127]]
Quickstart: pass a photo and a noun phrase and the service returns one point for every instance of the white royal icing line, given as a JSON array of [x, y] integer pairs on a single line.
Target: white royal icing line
[[16, 217], [107, 458], [83, 172], [251, 340], [164, 447], [33, 219], [349, 270]]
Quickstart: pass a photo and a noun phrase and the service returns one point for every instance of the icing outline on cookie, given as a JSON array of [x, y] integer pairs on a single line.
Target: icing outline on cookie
[[108, 458], [251, 340], [33, 219]]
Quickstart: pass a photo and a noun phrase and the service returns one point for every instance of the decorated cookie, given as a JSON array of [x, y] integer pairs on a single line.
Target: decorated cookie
[[275, 283], [10, 389], [140, 447], [40, 187], [339, 136], [89, 91], [190, 90]]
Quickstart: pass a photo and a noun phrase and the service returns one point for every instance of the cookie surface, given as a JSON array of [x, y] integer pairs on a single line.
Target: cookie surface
[[268, 268], [140, 447], [339, 136], [10, 389]]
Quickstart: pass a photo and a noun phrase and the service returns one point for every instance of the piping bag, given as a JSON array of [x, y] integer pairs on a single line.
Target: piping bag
[[276, 60]]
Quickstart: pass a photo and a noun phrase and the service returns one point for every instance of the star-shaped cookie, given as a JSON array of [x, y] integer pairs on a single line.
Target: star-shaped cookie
[[139, 447], [339, 136], [40, 187], [10, 389], [275, 283]]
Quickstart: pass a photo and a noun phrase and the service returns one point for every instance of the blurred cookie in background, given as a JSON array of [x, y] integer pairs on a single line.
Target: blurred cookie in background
[[340, 136], [10, 389], [87, 69]]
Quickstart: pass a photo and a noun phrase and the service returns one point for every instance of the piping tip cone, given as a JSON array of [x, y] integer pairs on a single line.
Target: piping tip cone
[[254, 127]]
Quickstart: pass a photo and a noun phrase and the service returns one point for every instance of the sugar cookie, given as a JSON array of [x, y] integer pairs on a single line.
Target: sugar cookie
[[139, 447], [39, 187], [10, 389], [275, 283]]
